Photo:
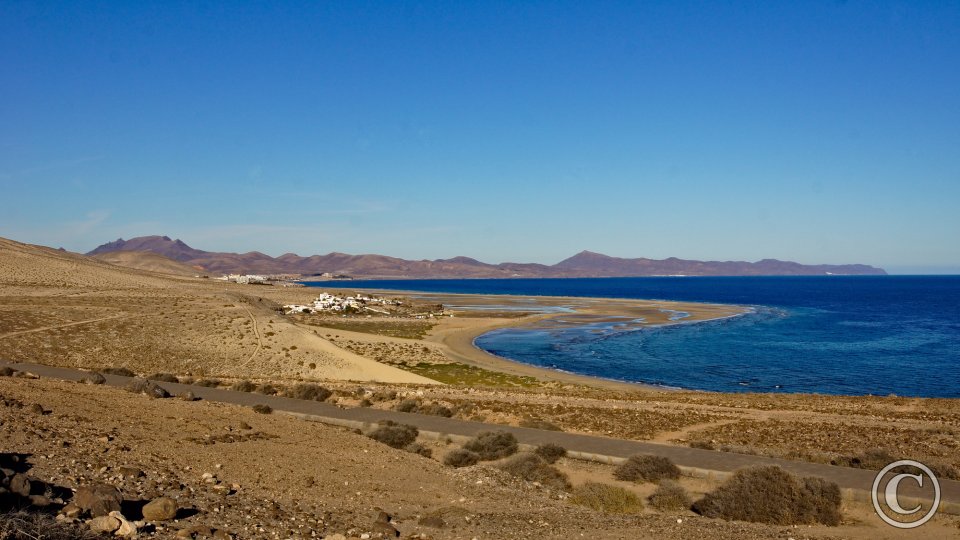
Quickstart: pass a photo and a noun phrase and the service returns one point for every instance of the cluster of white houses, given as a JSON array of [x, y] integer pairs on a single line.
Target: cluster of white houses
[[244, 278], [329, 302]]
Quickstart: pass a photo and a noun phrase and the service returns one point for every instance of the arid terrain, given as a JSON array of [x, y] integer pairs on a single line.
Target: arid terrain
[[275, 476]]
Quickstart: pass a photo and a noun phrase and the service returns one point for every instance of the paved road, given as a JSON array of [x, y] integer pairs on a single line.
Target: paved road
[[585, 446]]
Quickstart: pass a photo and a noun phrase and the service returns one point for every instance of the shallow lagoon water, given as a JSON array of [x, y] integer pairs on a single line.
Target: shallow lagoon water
[[832, 334]]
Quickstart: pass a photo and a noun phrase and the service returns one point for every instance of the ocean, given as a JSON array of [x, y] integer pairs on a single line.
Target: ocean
[[850, 335]]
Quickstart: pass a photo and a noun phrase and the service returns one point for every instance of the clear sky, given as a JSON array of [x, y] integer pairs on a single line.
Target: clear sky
[[821, 132]]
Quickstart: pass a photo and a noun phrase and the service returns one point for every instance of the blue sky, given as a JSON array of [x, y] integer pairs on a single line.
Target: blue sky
[[822, 132]]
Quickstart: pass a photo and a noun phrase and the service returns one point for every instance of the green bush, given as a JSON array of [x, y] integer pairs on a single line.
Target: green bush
[[670, 495], [491, 445], [461, 458], [395, 435], [533, 469], [646, 468], [550, 452], [606, 498], [769, 494]]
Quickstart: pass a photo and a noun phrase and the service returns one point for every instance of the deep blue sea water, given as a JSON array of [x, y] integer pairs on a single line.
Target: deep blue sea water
[[832, 334]]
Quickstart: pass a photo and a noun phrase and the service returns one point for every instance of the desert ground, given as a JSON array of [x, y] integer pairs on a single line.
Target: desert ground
[[283, 477]]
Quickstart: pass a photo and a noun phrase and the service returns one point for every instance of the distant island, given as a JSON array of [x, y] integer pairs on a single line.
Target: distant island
[[583, 264]]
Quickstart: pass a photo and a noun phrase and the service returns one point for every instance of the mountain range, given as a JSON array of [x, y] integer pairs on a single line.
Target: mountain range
[[583, 264]]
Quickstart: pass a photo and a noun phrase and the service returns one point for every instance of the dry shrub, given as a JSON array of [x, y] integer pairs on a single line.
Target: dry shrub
[[435, 409], [772, 495], [395, 435], [670, 495], [208, 383], [262, 408], [461, 458], [384, 395], [309, 392], [139, 385], [7, 371], [243, 386], [32, 526], [550, 452], [607, 498], [163, 377], [539, 423], [268, 389], [121, 371], [93, 377], [873, 459], [703, 445], [419, 449], [407, 406], [491, 445], [646, 468], [533, 469]]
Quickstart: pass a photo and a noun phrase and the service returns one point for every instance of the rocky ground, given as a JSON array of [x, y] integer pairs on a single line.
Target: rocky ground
[[180, 469]]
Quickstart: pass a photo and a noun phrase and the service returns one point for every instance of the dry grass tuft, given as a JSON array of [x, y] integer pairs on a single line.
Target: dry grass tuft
[[670, 495], [606, 498], [33, 526], [532, 468]]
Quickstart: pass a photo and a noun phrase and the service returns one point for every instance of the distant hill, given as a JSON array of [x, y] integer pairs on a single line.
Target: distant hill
[[26, 265], [147, 260], [583, 264]]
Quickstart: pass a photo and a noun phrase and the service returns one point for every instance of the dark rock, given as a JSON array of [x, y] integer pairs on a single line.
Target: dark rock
[[161, 509], [36, 408], [98, 499]]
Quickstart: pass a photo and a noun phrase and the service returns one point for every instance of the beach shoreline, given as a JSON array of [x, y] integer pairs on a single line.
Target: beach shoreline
[[457, 335]]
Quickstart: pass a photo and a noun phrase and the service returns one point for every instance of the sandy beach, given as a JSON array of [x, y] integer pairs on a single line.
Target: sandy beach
[[477, 314]]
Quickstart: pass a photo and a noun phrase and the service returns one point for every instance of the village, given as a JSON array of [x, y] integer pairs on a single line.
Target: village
[[360, 304]]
